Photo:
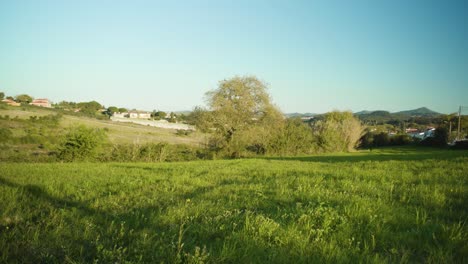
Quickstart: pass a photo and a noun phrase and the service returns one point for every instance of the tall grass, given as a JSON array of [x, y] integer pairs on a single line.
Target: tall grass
[[392, 205]]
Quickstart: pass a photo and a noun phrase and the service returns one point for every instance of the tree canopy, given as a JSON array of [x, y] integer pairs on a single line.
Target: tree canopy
[[111, 110], [238, 112], [24, 99], [338, 131], [89, 108]]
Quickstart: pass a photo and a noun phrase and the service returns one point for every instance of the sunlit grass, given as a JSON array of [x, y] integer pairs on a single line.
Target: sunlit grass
[[118, 133], [388, 205]]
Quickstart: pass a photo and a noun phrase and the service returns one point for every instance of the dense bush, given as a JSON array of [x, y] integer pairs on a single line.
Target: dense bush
[[150, 152], [439, 139], [183, 132], [382, 139], [460, 145], [81, 143], [5, 134], [338, 132], [293, 138], [399, 140]]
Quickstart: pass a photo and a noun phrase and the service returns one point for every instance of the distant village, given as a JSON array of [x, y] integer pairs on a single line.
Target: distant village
[[130, 116], [35, 102], [148, 119]]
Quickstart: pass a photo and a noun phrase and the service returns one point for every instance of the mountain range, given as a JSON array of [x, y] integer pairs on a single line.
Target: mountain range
[[418, 112], [382, 115]]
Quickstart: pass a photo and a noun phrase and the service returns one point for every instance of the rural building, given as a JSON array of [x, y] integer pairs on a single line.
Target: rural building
[[429, 132], [41, 103], [10, 102], [411, 130], [120, 115], [306, 118], [139, 114], [133, 114]]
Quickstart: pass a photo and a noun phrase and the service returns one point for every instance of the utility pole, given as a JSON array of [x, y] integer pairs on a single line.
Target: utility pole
[[450, 128], [459, 123]]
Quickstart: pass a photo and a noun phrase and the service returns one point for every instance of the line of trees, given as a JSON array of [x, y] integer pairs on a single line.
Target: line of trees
[[22, 98], [242, 121]]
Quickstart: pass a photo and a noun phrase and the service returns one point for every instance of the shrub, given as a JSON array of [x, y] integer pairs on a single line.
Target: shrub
[[81, 143], [5, 134], [460, 145], [183, 132], [339, 131], [381, 139], [294, 138], [151, 152], [399, 140]]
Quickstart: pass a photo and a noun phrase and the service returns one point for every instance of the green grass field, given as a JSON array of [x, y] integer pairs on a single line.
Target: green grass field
[[391, 205]]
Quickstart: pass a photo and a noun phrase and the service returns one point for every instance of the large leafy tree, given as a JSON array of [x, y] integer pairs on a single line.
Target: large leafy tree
[[112, 109], [89, 108], [239, 114], [158, 115], [24, 99]]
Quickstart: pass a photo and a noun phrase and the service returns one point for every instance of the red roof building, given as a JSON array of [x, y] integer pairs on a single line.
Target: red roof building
[[10, 102], [41, 102]]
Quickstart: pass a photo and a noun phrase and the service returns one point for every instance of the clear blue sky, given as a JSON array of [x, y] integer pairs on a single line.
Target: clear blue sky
[[316, 56]]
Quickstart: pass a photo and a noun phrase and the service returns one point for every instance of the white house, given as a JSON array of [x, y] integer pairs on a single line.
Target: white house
[[133, 114], [120, 115], [139, 115]]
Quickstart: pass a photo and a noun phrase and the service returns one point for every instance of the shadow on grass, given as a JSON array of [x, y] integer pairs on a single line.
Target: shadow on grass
[[384, 154], [135, 220]]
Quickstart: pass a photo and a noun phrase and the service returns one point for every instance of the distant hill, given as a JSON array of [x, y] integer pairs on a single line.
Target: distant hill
[[381, 116], [183, 112], [363, 112], [423, 111], [290, 115]]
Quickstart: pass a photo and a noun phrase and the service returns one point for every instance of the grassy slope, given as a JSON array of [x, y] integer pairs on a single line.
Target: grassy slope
[[117, 132], [391, 205]]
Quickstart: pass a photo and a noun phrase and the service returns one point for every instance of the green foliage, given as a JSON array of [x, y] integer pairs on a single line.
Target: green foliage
[[150, 152], [66, 105], [293, 138], [158, 115], [201, 118], [372, 139], [24, 99], [2, 95], [122, 110], [172, 118], [400, 140], [338, 132], [5, 134], [111, 110], [399, 205], [89, 108], [183, 132], [439, 139], [239, 116], [81, 143], [29, 139]]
